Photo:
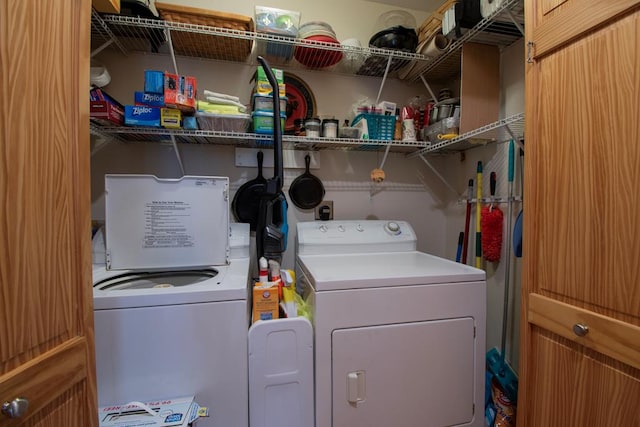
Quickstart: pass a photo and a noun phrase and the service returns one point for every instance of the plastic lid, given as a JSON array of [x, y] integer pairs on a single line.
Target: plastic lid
[[395, 18]]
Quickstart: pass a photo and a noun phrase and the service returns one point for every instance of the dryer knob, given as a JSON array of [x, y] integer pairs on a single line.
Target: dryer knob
[[360, 228], [341, 228], [323, 228], [392, 228]]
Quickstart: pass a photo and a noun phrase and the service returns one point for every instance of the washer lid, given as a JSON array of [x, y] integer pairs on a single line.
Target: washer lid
[[154, 223]]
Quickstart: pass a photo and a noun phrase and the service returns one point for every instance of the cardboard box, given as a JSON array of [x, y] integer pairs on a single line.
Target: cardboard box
[[170, 118], [179, 412], [154, 81], [265, 301], [263, 87], [180, 92], [106, 113], [106, 6], [149, 99], [135, 115], [103, 109]]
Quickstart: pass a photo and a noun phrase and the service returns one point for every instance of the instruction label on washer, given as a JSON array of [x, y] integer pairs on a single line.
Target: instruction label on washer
[[167, 224]]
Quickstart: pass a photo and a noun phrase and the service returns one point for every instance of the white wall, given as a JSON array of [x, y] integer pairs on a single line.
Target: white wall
[[411, 192]]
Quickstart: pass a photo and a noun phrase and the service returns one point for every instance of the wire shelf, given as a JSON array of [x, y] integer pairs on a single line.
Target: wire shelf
[[509, 128], [252, 140], [134, 34], [497, 29]]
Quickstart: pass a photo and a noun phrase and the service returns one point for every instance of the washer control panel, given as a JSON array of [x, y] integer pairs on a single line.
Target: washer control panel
[[354, 236]]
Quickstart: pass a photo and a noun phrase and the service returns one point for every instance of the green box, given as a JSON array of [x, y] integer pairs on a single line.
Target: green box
[[263, 87]]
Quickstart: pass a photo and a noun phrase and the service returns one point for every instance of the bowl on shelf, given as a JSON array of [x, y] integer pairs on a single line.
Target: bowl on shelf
[[315, 28], [316, 56], [399, 37]]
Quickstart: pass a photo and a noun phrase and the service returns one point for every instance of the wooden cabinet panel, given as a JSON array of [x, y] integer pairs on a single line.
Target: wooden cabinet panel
[[584, 170], [46, 301], [558, 22], [479, 86], [581, 228], [578, 388]]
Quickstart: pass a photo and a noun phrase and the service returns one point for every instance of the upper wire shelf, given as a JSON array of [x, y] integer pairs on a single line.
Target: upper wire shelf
[[134, 34], [501, 28]]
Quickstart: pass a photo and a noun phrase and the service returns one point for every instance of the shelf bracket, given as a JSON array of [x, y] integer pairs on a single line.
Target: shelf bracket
[[424, 81], [515, 22], [177, 151], [102, 47], [171, 52], [514, 137], [384, 78], [434, 170]]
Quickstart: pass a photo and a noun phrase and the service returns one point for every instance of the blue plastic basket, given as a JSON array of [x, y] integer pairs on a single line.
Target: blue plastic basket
[[379, 126]]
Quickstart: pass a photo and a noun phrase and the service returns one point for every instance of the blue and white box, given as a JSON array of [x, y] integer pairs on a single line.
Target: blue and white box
[[149, 99], [154, 81], [140, 115]]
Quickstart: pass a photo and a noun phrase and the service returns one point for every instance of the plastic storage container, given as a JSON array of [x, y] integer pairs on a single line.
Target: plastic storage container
[[276, 22], [265, 103], [443, 127], [263, 122], [379, 126], [223, 122]]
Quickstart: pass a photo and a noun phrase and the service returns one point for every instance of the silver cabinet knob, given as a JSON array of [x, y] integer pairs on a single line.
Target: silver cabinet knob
[[16, 408], [580, 329]]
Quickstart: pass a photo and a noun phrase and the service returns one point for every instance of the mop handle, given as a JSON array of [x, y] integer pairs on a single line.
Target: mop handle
[[465, 244], [505, 308], [478, 212]]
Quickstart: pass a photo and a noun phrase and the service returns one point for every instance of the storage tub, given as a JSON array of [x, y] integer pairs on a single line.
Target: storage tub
[[223, 122], [263, 122], [265, 103]]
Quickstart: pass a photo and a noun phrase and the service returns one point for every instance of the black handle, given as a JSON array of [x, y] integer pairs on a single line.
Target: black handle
[[492, 183], [274, 185]]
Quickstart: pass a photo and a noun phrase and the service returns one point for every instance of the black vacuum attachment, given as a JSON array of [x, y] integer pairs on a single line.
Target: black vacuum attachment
[[272, 228]]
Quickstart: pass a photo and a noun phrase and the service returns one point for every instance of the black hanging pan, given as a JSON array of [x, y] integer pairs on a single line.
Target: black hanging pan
[[306, 191], [246, 202]]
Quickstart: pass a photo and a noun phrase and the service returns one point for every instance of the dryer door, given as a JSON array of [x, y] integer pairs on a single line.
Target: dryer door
[[405, 375]]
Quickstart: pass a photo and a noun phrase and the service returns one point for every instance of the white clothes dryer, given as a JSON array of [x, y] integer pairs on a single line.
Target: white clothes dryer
[[399, 334], [170, 302]]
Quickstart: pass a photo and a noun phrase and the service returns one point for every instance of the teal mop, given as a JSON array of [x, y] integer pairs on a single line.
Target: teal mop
[[496, 363]]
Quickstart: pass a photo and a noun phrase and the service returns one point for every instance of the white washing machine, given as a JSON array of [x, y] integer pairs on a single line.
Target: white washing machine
[[399, 334], [170, 303]]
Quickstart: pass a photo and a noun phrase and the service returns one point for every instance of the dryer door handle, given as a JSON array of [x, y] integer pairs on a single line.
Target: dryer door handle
[[356, 387]]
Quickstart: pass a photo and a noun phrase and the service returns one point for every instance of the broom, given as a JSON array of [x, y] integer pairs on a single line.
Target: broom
[[491, 226]]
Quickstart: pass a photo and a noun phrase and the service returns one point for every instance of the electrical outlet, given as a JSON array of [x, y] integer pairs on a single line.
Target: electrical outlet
[[324, 211]]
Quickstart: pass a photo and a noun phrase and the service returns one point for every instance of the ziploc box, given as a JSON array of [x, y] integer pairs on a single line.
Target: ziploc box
[[154, 81], [263, 87], [265, 301], [149, 99], [139, 115], [178, 412]]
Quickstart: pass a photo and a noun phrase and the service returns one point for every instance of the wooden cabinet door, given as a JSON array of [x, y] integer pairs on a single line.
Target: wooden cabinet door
[[580, 355], [46, 314]]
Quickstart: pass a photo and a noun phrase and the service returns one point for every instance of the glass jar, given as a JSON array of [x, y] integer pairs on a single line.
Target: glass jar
[[312, 126], [330, 128]]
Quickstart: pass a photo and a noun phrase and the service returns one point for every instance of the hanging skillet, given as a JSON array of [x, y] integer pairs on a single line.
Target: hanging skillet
[[246, 202], [306, 191]]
